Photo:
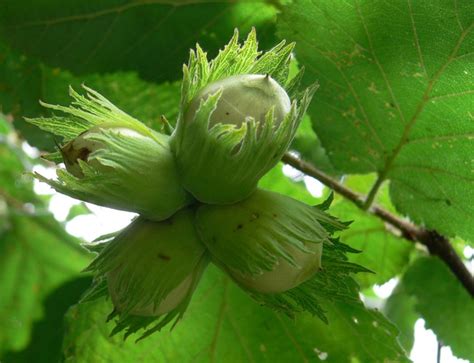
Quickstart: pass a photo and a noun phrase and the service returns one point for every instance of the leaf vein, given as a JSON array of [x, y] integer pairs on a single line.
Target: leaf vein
[[117, 9], [292, 338], [220, 320], [417, 41]]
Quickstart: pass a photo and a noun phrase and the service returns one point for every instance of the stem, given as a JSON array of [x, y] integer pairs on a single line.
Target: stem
[[310, 170], [436, 244], [373, 192]]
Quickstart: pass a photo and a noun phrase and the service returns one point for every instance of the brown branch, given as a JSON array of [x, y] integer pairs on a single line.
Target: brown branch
[[436, 244]]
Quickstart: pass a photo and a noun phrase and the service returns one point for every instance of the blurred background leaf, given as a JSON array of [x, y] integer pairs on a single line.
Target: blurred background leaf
[[309, 148], [47, 334], [400, 309], [152, 38], [444, 304], [36, 254], [23, 83]]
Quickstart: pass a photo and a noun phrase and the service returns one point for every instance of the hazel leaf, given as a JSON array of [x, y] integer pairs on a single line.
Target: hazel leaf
[[396, 98]]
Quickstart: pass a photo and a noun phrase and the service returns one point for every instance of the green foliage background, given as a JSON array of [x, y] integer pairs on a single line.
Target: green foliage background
[[394, 117]]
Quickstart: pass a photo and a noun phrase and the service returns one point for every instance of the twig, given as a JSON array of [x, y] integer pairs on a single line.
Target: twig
[[436, 244], [310, 170]]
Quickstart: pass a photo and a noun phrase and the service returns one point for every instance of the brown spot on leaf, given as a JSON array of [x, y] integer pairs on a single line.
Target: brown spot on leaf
[[239, 226], [163, 256]]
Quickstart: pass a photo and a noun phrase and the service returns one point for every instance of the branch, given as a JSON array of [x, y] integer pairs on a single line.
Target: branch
[[436, 244]]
